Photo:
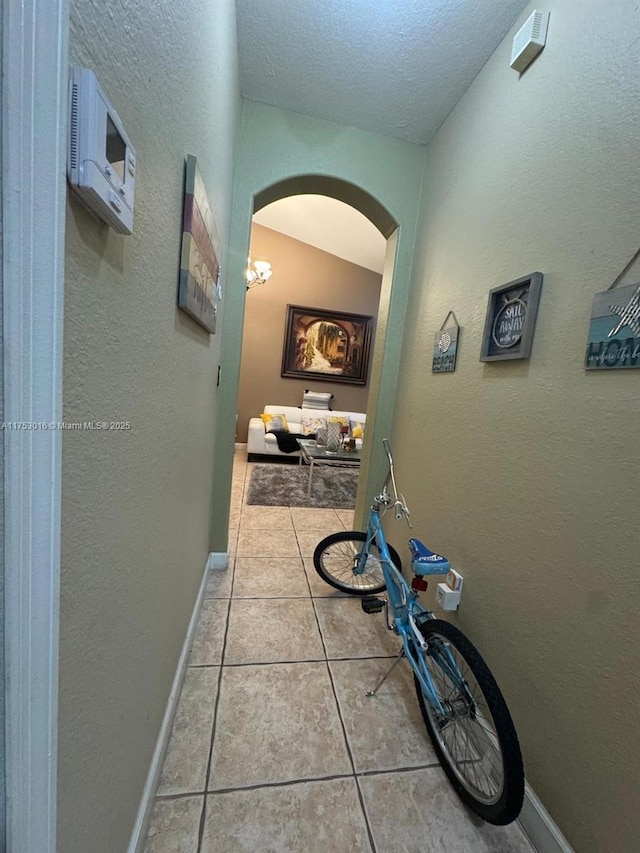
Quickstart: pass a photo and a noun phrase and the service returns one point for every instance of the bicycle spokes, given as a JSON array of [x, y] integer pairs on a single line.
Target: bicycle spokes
[[464, 723]]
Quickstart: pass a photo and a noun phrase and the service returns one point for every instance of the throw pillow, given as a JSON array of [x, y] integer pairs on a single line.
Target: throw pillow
[[316, 400], [275, 422], [338, 419], [357, 429], [312, 425]]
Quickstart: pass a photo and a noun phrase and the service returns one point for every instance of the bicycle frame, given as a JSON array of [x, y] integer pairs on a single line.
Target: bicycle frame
[[466, 717], [405, 608]]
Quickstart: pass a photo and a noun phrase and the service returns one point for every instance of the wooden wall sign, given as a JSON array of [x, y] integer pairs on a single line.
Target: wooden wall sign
[[445, 347], [614, 331], [511, 319]]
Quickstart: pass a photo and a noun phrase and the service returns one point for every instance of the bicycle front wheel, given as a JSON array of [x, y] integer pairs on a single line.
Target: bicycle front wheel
[[335, 559], [473, 733]]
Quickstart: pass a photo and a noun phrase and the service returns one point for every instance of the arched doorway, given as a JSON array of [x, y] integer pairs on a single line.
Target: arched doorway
[[386, 352], [312, 325]]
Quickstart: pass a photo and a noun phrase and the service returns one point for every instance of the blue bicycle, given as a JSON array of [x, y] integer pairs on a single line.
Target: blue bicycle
[[465, 714]]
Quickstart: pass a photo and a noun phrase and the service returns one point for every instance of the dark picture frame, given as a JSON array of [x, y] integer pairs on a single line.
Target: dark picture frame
[[511, 319], [331, 346]]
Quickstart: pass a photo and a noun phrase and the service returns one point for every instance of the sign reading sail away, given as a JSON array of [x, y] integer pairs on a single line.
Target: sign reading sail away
[[614, 331]]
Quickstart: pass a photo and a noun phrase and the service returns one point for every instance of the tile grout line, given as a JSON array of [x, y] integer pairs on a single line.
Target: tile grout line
[[283, 784], [351, 759], [213, 730], [435, 765], [344, 731], [364, 774], [294, 660], [365, 814], [363, 808], [246, 474], [203, 813], [208, 791]]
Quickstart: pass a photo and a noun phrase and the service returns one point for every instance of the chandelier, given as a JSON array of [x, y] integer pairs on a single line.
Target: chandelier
[[258, 272]]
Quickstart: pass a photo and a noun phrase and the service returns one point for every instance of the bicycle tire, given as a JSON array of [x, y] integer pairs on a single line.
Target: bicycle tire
[[334, 559], [468, 772]]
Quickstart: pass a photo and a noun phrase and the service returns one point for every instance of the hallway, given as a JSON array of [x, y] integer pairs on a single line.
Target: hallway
[[275, 746]]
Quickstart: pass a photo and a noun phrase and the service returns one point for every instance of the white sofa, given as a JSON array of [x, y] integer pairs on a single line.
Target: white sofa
[[262, 443]]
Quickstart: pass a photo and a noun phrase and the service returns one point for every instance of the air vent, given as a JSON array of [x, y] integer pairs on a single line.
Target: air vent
[[529, 40], [536, 26], [73, 128]]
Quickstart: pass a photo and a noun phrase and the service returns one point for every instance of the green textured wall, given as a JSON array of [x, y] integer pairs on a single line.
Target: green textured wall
[[526, 474], [278, 146], [136, 504]]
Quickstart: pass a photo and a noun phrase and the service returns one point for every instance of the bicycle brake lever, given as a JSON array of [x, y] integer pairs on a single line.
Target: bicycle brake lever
[[402, 511]]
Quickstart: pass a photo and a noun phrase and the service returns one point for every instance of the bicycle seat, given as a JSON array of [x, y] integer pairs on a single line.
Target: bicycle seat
[[425, 562]]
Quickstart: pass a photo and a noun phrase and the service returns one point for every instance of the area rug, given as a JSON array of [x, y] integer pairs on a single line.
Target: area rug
[[286, 485]]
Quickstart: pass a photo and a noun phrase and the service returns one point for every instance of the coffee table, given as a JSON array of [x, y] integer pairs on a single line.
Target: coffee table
[[313, 454]]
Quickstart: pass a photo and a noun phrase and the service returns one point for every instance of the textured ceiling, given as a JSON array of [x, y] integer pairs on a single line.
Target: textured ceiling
[[397, 67]]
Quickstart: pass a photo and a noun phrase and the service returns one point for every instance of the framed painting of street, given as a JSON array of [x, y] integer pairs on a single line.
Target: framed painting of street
[[326, 345]]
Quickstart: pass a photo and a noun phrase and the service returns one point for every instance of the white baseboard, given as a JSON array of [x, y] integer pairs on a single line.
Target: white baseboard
[[539, 826], [218, 561], [141, 825], [239, 445]]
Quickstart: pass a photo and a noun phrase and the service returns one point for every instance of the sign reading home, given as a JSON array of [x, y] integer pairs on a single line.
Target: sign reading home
[[614, 331], [445, 350]]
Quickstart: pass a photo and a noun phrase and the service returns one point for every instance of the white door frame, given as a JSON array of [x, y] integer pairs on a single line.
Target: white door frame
[[35, 36]]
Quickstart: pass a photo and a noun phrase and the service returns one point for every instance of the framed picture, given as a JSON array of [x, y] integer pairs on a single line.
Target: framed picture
[[511, 319], [198, 287], [326, 345]]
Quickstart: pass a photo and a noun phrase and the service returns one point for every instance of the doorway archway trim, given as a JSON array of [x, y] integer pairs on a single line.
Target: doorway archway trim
[[337, 188]]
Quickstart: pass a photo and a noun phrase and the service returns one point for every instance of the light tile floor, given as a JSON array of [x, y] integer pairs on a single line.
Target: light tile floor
[[275, 747]]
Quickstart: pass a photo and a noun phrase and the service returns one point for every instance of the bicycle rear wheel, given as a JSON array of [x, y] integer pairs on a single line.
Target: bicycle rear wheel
[[335, 559], [474, 737]]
